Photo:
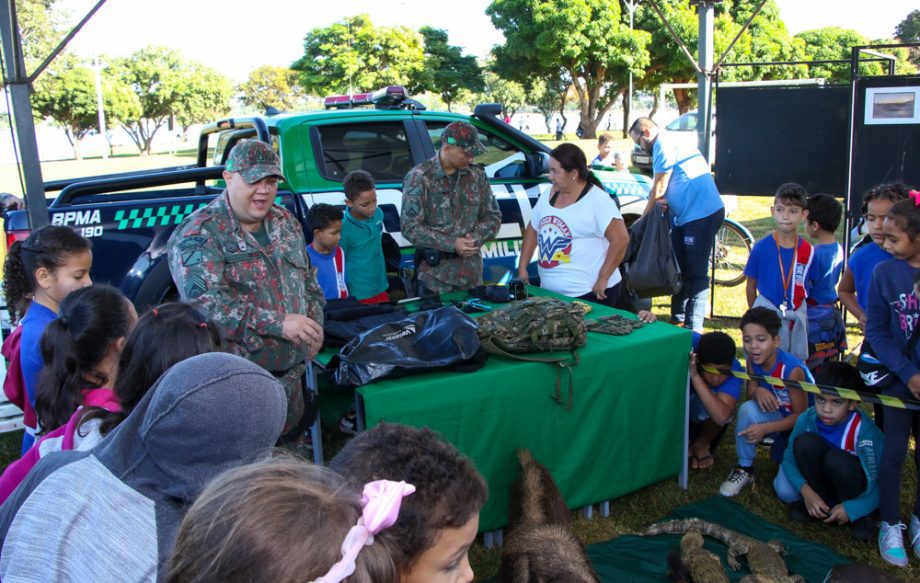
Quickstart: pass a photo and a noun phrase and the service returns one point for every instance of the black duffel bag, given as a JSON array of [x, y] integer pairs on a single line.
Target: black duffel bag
[[424, 341], [650, 266]]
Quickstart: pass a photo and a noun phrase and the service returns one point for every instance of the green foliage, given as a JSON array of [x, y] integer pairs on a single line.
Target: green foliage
[[203, 95], [908, 31], [165, 84], [510, 94], [271, 86], [447, 70], [355, 55], [585, 38], [549, 95], [40, 28], [67, 95], [766, 40], [834, 43]]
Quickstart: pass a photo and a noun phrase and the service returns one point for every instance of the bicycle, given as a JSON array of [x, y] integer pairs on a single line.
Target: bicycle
[[731, 252]]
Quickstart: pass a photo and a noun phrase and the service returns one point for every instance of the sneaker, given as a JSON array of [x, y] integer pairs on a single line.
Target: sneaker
[[737, 480], [915, 535], [348, 424], [891, 543], [861, 529]]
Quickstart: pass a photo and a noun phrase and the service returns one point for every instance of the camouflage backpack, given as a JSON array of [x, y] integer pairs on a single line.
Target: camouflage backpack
[[537, 324]]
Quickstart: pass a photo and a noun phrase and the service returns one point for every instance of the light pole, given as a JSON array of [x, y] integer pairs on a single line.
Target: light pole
[[100, 108], [631, 6]]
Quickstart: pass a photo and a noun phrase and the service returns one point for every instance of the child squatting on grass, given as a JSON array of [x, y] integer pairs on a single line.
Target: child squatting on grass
[[769, 410], [713, 395], [830, 470]]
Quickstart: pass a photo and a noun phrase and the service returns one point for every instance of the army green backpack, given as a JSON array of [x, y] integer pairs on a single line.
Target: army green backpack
[[537, 324]]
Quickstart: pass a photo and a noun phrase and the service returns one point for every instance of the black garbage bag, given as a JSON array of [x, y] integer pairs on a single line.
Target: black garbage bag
[[425, 341], [347, 318], [650, 267]]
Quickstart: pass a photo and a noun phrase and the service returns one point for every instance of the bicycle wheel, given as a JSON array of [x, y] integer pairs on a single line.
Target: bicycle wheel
[[733, 247]]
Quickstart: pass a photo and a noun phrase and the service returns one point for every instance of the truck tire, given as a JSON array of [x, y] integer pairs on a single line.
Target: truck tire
[[157, 288]]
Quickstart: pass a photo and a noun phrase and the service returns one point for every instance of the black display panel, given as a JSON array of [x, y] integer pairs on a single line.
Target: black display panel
[[766, 136]]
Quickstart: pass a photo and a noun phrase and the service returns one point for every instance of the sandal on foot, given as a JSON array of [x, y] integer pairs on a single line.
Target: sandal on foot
[[702, 463]]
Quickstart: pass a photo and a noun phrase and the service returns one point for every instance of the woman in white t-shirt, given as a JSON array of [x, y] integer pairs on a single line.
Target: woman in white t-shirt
[[577, 231]]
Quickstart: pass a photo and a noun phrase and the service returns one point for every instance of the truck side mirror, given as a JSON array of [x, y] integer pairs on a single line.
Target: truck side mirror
[[536, 164]]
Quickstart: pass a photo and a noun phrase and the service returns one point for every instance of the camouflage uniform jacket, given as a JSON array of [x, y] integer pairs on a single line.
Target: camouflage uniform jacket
[[437, 209], [244, 288]]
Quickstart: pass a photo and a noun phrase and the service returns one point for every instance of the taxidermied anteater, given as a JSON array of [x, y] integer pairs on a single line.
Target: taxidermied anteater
[[540, 546]]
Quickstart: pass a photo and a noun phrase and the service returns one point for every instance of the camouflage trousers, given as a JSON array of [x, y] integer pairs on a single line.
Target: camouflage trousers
[[292, 381]]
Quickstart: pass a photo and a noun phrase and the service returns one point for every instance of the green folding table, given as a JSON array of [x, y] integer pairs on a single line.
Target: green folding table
[[625, 430]]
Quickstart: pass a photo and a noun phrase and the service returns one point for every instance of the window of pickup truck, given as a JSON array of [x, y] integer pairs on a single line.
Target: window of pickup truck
[[501, 159], [379, 148]]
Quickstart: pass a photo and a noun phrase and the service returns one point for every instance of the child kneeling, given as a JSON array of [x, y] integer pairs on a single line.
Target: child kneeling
[[714, 393], [830, 472]]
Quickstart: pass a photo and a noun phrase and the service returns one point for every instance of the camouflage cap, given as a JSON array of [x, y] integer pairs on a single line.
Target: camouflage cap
[[255, 160], [463, 135]]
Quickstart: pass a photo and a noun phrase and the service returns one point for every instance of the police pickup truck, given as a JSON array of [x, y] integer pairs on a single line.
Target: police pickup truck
[[130, 216]]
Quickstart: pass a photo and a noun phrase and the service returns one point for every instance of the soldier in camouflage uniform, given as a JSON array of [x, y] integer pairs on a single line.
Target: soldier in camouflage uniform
[[242, 260], [448, 207]]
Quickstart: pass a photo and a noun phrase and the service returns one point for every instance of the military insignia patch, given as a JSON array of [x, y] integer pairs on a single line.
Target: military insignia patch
[[189, 242], [194, 287], [192, 257]]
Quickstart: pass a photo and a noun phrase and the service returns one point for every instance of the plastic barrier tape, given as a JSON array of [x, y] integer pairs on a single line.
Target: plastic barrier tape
[[909, 404]]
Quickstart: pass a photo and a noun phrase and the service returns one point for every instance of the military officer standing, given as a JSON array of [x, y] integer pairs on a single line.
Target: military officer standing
[[449, 211], [243, 262]]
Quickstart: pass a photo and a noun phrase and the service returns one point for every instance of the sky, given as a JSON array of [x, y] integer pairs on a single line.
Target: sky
[[236, 36]]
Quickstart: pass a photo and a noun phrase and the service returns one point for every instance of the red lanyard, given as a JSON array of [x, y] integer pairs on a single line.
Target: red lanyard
[[782, 269]]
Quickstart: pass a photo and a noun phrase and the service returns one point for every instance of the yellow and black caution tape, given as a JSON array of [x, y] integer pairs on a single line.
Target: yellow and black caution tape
[[867, 397]]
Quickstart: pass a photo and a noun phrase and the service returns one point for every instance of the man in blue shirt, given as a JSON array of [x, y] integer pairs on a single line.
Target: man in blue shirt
[[684, 182]]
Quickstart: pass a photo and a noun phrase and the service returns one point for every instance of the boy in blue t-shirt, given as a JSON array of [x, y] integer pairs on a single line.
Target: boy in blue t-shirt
[[778, 268], [327, 258], [769, 410], [713, 395], [362, 239], [826, 334], [830, 472]]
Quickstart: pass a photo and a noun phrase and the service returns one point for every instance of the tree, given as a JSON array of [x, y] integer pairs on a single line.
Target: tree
[[355, 55], [549, 95], [271, 86], [68, 96], [203, 95], [165, 85], [447, 70], [39, 28], [585, 38], [834, 43], [908, 31], [510, 94], [766, 40]]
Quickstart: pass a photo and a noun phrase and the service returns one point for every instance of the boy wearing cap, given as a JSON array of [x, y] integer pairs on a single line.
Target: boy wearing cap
[[242, 261], [448, 212]]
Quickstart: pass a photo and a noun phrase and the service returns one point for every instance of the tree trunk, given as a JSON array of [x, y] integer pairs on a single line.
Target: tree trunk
[[77, 151], [683, 100], [626, 113], [652, 113]]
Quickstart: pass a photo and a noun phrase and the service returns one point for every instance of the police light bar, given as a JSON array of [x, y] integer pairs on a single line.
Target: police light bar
[[388, 97]]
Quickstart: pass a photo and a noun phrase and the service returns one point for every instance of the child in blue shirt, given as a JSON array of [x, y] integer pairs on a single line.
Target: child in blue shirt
[[362, 239], [778, 267], [826, 334], [713, 395], [769, 410], [830, 472], [327, 258], [854, 283], [47, 266]]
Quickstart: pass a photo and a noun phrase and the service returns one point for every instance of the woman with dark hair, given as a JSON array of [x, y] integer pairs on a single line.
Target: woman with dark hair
[[578, 230]]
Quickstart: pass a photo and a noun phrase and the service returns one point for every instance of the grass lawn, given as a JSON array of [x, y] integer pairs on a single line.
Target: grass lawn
[[635, 511]]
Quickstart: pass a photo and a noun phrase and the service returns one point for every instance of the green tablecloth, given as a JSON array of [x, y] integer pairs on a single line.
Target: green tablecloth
[[625, 429]]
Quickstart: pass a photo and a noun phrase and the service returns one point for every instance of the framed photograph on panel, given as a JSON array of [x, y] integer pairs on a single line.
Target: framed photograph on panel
[[892, 105]]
